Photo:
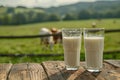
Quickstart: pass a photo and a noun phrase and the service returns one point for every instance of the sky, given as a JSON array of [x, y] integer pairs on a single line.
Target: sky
[[39, 3]]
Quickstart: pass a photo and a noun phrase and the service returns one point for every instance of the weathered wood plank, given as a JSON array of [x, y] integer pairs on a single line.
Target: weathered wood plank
[[4, 70], [114, 62], [51, 69], [25, 71], [107, 71], [56, 71], [70, 75], [114, 73], [80, 74], [37, 72]]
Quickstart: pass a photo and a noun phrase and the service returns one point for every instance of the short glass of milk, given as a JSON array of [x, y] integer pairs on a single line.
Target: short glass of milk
[[72, 46], [94, 46]]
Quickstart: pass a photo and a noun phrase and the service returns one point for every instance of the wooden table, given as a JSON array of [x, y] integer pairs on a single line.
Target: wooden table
[[55, 70]]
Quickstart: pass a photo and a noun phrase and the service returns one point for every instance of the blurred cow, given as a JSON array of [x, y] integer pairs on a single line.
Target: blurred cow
[[48, 40], [57, 38]]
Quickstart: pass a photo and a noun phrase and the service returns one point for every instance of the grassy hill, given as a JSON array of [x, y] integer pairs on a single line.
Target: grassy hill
[[99, 6]]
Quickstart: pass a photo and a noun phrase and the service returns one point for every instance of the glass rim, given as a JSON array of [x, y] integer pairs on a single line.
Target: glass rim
[[93, 28], [71, 28]]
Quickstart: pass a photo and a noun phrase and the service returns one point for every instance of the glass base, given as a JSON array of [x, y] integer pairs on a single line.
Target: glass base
[[91, 70], [72, 68], [94, 69]]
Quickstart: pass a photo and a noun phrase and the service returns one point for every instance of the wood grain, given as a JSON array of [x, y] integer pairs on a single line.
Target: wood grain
[[51, 69], [114, 62], [4, 70], [25, 71]]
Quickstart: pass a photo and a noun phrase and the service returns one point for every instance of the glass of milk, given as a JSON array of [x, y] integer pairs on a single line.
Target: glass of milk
[[72, 46], [94, 46]]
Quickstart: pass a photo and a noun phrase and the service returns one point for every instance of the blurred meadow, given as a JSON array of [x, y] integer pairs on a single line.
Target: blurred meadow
[[28, 20], [32, 45]]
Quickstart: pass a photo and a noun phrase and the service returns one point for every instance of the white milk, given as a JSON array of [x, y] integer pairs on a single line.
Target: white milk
[[72, 47], [94, 52]]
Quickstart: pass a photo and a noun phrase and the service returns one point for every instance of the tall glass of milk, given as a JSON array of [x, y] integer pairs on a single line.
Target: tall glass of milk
[[72, 46], [94, 46]]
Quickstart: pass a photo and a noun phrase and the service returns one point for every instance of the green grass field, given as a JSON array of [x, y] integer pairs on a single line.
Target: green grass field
[[112, 40]]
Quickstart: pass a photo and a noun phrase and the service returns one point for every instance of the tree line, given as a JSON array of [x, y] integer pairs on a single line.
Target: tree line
[[11, 17]]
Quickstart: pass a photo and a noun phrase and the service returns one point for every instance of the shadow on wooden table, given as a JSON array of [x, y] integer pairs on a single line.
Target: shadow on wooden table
[[80, 74], [57, 71], [87, 75]]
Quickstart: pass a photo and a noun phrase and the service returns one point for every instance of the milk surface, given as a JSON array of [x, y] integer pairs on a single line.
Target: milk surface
[[72, 46], [94, 51]]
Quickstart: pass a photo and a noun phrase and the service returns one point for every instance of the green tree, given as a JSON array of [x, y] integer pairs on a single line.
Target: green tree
[[97, 15], [117, 13], [109, 14], [84, 14], [30, 16], [1, 20], [18, 18], [5, 20], [54, 17], [70, 17], [10, 10], [40, 17]]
